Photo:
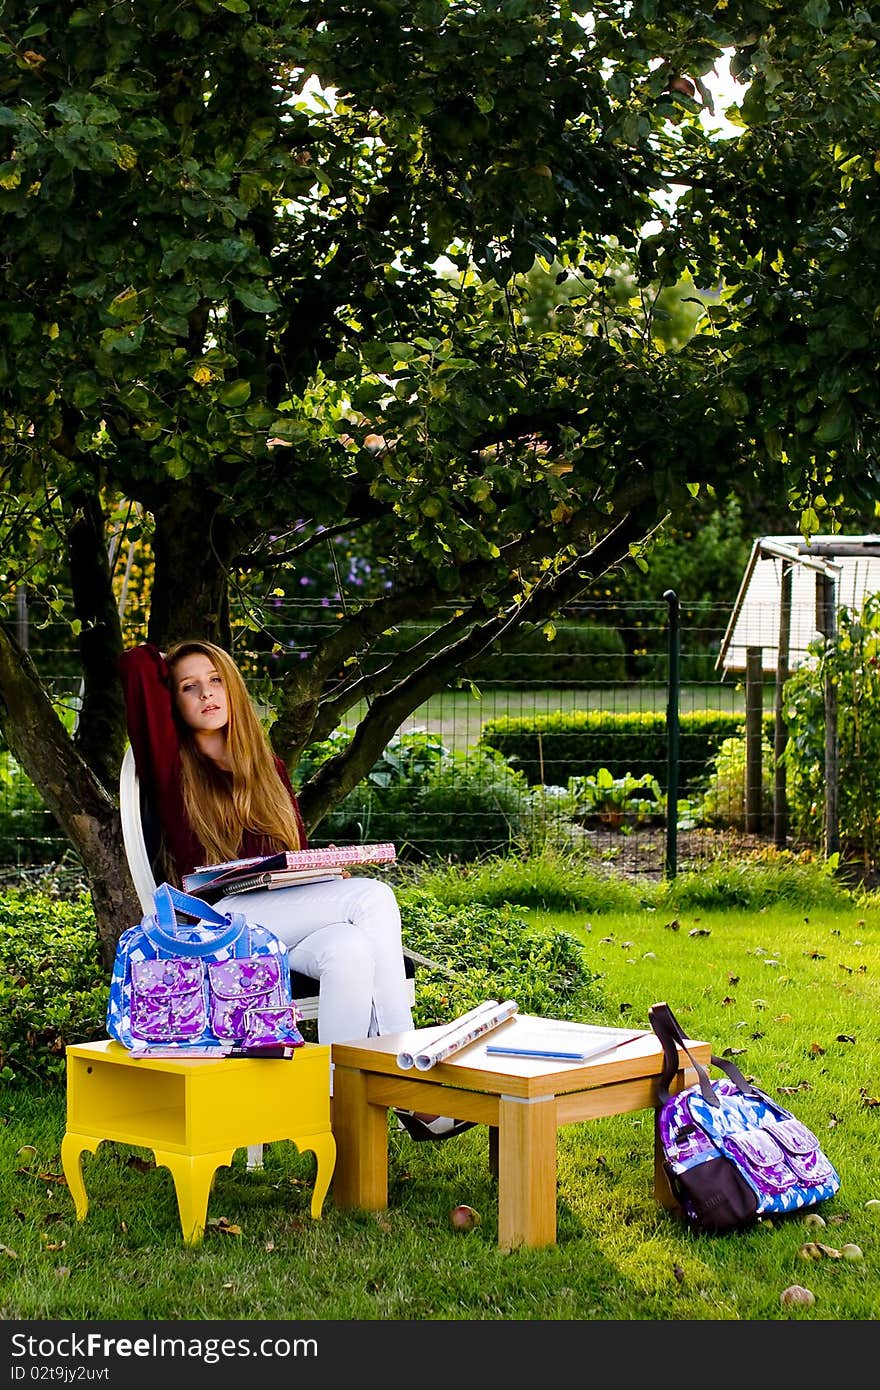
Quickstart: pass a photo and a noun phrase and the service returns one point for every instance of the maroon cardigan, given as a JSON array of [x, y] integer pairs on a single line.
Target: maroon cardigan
[[155, 741]]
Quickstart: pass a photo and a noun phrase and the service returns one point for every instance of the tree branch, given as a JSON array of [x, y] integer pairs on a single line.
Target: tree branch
[[340, 773]]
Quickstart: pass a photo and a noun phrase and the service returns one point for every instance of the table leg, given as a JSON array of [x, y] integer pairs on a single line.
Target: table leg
[[72, 1149], [360, 1178], [663, 1193], [526, 1172], [193, 1176], [323, 1146]]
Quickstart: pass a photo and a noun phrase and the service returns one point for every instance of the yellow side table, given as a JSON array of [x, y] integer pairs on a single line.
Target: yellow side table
[[194, 1113]]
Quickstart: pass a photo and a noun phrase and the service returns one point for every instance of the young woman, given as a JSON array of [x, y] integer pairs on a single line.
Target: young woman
[[220, 793]]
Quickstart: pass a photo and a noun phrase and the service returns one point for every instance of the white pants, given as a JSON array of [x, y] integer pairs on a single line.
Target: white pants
[[345, 933]]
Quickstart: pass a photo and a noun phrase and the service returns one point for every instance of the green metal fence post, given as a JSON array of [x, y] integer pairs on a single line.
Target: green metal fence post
[[672, 728]]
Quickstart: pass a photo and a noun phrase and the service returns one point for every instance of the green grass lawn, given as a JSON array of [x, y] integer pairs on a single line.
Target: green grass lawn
[[791, 990]]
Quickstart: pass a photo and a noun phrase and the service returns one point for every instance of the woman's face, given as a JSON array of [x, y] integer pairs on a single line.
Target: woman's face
[[199, 693]]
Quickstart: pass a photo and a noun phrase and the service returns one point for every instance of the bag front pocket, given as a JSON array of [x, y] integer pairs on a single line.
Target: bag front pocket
[[715, 1196], [237, 986], [272, 1025], [168, 1000], [802, 1150], [758, 1154]]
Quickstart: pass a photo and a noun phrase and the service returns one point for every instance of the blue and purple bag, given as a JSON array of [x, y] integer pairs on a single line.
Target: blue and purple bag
[[731, 1154], [215, 986]]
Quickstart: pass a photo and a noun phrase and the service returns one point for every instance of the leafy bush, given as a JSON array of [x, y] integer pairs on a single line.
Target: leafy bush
[[53, 988], [852, 661], [494, 954], [29, 833], [611, 799], [724, 800], [702, 558], [432, 802]]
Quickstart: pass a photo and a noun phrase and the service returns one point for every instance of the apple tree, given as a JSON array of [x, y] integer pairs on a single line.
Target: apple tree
[[266, 274]]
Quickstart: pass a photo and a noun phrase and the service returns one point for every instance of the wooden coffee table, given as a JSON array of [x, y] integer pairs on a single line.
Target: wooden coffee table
[[523, 1100]]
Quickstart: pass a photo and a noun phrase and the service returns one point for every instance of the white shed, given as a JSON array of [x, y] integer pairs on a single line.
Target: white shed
[[851, 562], [791, 593]]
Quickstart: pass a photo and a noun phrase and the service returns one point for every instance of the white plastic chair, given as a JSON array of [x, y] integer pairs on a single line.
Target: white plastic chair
[[131, 812], [139, 865]]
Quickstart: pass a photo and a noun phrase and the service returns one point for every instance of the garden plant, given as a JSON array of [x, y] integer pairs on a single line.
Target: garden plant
[[851, 662]]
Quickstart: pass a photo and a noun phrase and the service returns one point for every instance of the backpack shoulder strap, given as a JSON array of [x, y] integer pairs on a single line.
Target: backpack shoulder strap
[[672, 1038]]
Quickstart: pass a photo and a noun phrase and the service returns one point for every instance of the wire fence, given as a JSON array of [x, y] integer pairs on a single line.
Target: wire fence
[[516, 756]]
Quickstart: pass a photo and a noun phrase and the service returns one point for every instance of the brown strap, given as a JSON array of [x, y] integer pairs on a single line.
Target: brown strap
[[672, 1038]]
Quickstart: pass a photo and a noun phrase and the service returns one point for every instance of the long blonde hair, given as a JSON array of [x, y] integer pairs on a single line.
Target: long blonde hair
[[259, 801]]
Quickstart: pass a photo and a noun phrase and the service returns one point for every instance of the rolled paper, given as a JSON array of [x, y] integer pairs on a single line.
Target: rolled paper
[[405, 1060], [468, 1028]]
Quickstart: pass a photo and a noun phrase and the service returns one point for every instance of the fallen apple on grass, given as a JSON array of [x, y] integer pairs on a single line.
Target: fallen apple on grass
[[797, 1295], [464, 1218]]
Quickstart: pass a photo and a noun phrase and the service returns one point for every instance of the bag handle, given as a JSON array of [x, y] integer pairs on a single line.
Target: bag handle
[[672, 1037], [160, 928]]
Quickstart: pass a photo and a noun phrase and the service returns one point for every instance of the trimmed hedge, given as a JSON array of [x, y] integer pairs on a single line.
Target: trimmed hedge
[[551, 748]]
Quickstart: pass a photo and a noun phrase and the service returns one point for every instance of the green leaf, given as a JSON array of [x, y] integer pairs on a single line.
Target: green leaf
[[291, 430], [235, 393], [136, 399], [259, 416], [123, 340], [834, 423], [816, 12], [734, 401], [85, 391], [125, 304], [261, 301]]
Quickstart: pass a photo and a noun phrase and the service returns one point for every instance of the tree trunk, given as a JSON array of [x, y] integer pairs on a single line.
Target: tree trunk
[[192, 550], [100, 731]]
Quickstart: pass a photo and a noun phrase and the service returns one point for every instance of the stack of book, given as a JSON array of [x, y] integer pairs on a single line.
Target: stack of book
[[213, 881]]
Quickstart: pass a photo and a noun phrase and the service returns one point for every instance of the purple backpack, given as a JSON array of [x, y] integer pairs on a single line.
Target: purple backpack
[[731, 1154]]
